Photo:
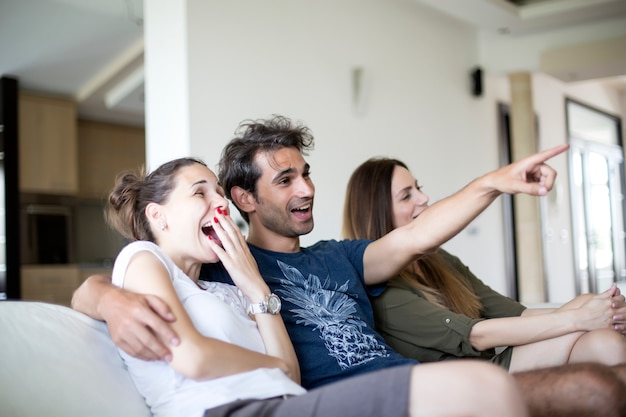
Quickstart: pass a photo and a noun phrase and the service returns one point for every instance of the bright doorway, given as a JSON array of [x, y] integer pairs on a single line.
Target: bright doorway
[[597, 188]]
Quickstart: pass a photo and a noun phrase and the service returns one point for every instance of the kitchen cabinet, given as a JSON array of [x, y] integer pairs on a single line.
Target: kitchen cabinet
[[48, 161], [56, 283], [87, 271], [104, 151], [50, 283]]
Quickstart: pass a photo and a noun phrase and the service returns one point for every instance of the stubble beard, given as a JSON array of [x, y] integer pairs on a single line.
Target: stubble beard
[[282, 223]]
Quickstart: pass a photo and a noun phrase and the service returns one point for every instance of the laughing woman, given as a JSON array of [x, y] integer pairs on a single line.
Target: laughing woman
[[233, 356]]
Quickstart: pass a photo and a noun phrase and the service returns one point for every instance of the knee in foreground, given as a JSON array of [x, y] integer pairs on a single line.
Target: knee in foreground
[[609, 346]]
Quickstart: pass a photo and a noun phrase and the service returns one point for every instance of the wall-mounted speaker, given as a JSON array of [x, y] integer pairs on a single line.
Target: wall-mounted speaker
[[476, 81]]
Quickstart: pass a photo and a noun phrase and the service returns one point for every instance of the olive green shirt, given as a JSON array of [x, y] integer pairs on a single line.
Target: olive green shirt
[[419, 329]]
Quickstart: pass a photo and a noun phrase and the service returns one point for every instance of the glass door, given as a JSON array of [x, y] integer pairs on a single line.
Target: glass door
[[597, 197]]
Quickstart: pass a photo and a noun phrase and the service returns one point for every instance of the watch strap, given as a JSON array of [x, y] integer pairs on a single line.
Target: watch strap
[[271, 304]]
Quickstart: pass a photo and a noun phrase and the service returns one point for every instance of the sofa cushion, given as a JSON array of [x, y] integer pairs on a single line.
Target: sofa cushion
[[55, 361]]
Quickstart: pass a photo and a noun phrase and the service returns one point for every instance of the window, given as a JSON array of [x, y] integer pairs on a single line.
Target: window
[[597, 186]]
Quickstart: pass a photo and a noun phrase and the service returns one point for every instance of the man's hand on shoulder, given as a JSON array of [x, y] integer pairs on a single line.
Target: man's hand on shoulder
[[138, 323]]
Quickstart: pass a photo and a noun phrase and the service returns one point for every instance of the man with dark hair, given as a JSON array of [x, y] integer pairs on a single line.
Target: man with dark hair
[[324, 288]]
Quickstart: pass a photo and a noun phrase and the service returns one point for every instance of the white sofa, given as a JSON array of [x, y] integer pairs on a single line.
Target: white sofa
[[56, 362]]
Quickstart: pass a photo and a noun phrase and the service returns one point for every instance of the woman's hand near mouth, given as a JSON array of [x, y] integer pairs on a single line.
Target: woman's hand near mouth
[[236, 257]]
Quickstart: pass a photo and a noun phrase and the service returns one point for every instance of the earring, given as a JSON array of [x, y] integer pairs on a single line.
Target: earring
[[163, 226]]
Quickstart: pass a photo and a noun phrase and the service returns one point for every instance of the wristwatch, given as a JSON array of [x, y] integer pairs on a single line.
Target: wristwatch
[[270, 305]]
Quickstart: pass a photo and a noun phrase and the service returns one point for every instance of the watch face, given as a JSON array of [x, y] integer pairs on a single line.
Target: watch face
[[273, 304]]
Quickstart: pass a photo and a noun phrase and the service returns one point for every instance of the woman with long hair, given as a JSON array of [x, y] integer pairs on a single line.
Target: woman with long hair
[[436, 309]]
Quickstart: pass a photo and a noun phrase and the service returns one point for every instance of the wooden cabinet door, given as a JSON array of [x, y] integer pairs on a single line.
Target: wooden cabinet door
[[50, 283], [104, 151], [47, 145]]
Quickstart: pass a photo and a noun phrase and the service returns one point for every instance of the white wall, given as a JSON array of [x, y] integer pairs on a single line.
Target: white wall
[[253, 59], [250, 59]]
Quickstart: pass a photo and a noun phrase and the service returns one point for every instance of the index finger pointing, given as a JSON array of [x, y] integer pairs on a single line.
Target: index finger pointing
[[549, 153]]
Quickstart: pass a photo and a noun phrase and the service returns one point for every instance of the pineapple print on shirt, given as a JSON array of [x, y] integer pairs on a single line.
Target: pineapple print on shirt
[[331, 312]]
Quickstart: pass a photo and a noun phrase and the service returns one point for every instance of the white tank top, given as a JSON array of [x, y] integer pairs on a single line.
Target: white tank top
[[217, 310]]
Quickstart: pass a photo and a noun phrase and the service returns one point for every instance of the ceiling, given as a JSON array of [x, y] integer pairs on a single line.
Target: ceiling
[[92, 50], [525, 17], [87, 50]]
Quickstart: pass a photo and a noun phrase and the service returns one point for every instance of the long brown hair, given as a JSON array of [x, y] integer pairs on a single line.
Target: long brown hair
[[368, 214]]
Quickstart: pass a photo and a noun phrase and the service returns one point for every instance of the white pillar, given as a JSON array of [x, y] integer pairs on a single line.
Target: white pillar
[[529, 243], [166, 60]]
